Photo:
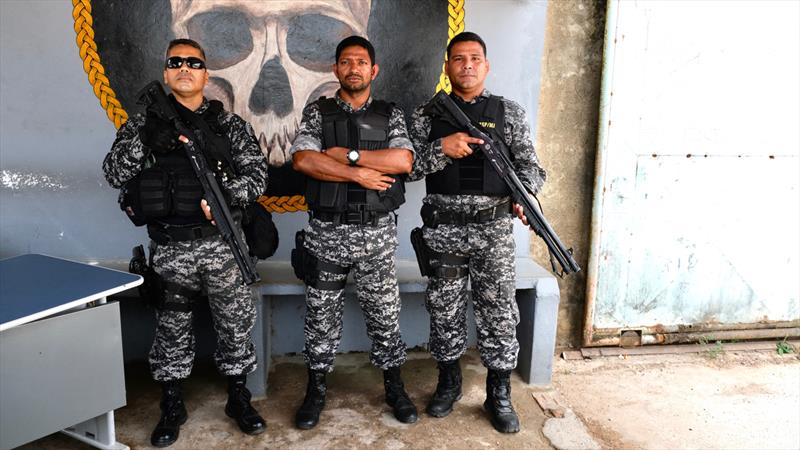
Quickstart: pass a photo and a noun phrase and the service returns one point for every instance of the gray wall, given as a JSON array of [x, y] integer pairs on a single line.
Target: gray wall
[[53, 135]]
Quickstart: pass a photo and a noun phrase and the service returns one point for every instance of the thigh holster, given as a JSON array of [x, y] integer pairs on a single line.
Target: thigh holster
[[433, 263], [308, 267]]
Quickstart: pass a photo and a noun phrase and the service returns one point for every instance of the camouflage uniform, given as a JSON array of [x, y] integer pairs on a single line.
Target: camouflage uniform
[[489, 247], [368, 251], [205, 264]]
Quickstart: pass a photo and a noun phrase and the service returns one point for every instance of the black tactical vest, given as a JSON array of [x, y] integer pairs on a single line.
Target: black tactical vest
[[473, 174], [364, 130], [168, 191]]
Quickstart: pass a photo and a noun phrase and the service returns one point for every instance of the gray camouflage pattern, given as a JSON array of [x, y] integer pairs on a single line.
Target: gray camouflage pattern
[[309, 134], [369, 252], [206, 264], [489, 247], [203, 264]]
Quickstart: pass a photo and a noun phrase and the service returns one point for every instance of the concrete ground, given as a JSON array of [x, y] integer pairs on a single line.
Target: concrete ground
[[716, 399]]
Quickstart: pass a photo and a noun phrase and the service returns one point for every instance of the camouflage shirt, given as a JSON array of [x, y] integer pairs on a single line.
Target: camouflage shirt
[[128, 156], [430, 158], [309, 135]]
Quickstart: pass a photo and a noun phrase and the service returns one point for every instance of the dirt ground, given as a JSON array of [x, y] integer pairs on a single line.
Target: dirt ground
[[711, 400], [355, 415]]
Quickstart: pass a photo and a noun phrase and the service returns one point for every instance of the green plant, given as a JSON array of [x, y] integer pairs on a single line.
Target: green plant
[[712, 351], [784, 347]]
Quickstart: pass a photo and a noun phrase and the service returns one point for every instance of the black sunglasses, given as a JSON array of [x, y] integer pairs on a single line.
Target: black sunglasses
[[176, 62]]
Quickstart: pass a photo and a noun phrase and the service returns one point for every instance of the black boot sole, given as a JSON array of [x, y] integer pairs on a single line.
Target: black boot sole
[[306, 426], [410, 420], [497, 425], [443, 413], [250, 432], [177, 435]]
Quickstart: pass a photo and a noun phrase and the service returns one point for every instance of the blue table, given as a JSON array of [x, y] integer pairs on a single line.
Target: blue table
[[61, 365]]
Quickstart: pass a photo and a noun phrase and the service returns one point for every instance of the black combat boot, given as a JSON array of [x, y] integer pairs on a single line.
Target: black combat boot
[[173, 415], [307, 416], [396, 396], [498, 401], [448, 391], [239, 407]]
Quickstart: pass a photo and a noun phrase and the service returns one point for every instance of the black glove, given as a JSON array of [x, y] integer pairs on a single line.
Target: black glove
[[158, 134]]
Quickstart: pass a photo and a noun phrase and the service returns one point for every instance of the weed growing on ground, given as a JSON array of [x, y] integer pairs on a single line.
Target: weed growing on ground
[[712, 351], [784, 347]]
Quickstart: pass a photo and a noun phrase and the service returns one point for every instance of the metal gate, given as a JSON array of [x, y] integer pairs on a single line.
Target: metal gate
[[696, 212]]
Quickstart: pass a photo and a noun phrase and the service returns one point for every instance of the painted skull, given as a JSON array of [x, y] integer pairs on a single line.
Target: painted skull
[[267, 59]]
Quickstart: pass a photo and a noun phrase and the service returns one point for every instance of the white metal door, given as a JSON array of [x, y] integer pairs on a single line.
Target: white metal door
[[696, 216]]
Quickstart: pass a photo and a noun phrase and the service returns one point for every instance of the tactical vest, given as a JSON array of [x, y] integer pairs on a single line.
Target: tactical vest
[[365, 130], [472, 174], [168, 191]]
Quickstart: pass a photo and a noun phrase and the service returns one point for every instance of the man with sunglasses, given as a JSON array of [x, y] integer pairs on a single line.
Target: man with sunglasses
[[186, 250], [353, 148]]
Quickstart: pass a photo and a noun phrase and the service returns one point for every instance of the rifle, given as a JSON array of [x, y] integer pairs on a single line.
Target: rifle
[[443, 107], [156, 100]]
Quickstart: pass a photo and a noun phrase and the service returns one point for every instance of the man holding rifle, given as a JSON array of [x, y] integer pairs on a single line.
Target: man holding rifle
[[187, 251], [468, 230]]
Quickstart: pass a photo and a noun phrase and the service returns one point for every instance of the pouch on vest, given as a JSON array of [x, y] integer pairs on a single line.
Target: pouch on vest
[[146, 196]]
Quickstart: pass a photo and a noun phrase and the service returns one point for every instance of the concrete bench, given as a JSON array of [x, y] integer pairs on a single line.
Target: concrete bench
[[280, 304]]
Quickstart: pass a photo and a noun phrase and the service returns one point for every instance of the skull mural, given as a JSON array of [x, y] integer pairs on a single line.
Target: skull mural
[[266, 60]]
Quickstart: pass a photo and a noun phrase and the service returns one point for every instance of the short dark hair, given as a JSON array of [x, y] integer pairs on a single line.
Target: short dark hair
[[187, 42], [466, 36], [359, 41]]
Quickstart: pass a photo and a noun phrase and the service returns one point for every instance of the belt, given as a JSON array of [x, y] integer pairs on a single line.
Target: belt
[[433, 216], [350, 217], [165, 235]]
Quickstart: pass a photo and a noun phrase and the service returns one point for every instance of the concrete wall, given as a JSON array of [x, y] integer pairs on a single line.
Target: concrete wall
[[566, 142]]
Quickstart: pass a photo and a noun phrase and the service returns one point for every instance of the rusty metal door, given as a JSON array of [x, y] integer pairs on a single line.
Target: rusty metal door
[[695, 220]]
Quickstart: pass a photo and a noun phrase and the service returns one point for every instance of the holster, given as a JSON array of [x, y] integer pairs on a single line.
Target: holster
[[446, 265], [300, 255], [422, 251], [307, 267], [154, 289], [150, 291]]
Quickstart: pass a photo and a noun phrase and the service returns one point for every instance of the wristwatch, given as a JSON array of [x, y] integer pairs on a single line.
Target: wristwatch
[[353, 156]]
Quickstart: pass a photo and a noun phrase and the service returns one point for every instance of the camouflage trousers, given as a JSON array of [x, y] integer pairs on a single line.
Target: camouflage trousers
[[490, 249], [369, 252], [202, 265]]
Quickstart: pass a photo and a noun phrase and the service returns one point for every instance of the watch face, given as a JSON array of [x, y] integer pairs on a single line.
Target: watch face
[[352, 155]]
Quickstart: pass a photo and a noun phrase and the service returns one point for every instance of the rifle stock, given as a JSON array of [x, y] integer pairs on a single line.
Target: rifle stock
[[154, 97], [442, 106]]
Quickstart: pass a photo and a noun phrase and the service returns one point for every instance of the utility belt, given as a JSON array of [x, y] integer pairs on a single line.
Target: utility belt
[[165, 234], [433, 216], [356, 217], [307, 267]]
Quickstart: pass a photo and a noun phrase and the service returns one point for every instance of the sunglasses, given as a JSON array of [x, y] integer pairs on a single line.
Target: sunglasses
[[176, 62]]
